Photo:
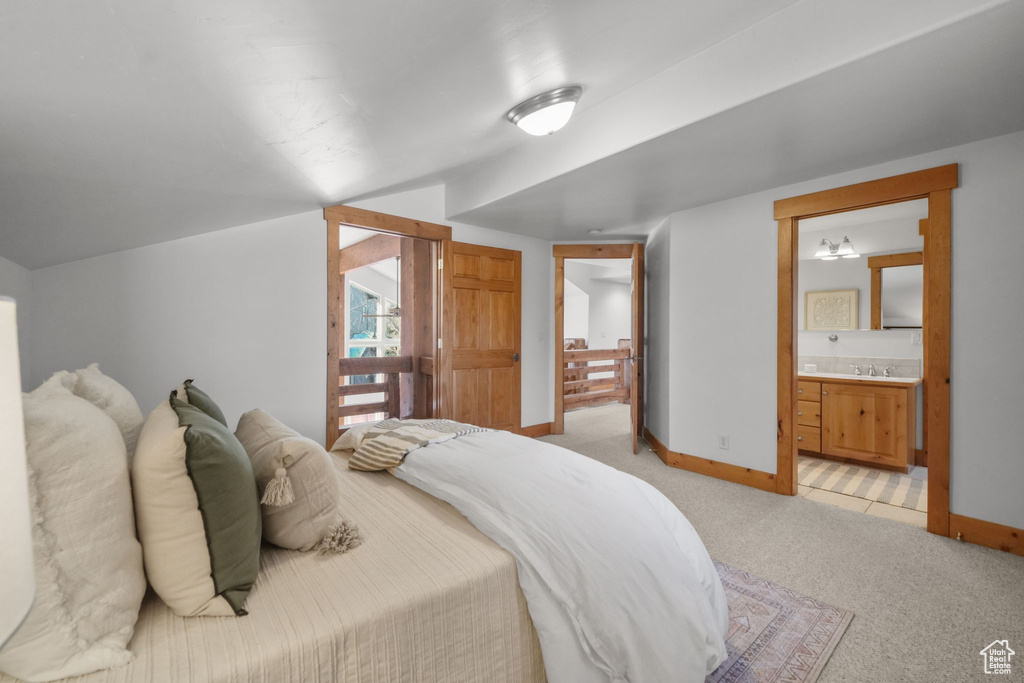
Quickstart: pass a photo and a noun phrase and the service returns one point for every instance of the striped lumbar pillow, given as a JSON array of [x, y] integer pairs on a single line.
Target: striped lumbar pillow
[[197, 510], [386, 443]]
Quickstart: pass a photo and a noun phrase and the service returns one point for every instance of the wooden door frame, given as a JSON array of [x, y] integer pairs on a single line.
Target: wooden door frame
[[339, 215], [935, 185], [572, 251]]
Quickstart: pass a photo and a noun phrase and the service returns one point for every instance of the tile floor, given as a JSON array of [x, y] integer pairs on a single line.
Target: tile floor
[[893, 512]]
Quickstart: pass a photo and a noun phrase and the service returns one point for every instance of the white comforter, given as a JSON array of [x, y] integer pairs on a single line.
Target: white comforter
[[618, 584]]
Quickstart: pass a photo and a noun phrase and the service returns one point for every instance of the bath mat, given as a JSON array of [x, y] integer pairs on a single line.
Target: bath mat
[[775, 634], [867, 483]]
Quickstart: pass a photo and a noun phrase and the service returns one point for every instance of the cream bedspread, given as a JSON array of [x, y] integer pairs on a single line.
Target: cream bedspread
[[426, 597]]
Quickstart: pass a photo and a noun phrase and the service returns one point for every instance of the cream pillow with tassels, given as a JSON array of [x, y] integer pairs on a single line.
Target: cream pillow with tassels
[[298, 489]]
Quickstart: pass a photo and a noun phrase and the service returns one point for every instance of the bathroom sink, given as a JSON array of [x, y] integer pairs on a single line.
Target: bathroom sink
[[879, 378]]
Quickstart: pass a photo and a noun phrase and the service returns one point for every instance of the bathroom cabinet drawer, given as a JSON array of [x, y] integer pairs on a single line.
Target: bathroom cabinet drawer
[[808, 413], [808, 391], [808, 438]]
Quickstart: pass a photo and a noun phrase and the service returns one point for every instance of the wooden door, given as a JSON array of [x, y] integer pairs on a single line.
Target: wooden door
[[636, 401], [481, 341], [865, 422]]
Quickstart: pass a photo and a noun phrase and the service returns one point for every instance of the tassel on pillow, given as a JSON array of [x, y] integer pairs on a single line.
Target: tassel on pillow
[[340, 538], [279, 489]]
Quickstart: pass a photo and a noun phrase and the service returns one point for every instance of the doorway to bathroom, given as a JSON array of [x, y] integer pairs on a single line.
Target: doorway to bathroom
[[870, 420], [860, 351]]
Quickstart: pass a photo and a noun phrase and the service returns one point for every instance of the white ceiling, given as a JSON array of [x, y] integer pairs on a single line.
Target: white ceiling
[[124, 123], [617, 270], [955, 84]]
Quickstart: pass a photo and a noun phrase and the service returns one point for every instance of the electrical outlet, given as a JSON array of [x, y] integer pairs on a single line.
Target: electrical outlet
[[723, 441]]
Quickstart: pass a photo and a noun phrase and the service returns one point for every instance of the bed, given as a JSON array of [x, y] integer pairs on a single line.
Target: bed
[[486, 556], [426, 597]]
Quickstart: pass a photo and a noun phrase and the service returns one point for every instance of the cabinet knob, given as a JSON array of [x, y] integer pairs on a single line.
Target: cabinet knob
[[799, 412], [799, 438], [799, 391], [824, 393]]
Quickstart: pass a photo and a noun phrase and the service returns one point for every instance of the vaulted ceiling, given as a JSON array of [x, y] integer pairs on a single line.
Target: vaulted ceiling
[[125, 123]]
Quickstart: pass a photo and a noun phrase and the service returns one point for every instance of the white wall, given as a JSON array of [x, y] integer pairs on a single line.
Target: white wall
[[658, 336], [609, 306], [723, 327], [16, 282], [576, 316], [241, 311], [818, 275]]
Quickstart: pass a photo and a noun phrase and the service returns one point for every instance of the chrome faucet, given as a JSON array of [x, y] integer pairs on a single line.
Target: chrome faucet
[[871, 371], [888, 371], [856, 370]]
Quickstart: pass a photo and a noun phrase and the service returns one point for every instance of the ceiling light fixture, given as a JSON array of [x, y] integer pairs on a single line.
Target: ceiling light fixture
[[595, 231], [547, 112], [827, 251]]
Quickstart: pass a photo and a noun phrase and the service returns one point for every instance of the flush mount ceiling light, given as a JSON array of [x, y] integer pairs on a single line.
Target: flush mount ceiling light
[[547, 112], [827, 251]]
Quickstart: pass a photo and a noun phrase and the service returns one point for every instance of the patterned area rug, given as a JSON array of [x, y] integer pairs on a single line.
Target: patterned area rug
[[891, 488], [775, 634]]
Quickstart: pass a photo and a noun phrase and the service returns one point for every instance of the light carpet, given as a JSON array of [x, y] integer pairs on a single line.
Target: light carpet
[[867, 483], [925, 605]]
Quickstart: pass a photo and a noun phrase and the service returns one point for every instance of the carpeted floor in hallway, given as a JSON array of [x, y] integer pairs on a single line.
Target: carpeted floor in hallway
[[924, 606]]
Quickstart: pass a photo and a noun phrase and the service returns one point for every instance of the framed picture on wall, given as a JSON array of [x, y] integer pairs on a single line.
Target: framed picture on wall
[[830, 310]]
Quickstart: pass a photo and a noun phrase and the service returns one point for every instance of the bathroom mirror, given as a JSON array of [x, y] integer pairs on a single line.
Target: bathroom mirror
[[902, 297], [862, 270]]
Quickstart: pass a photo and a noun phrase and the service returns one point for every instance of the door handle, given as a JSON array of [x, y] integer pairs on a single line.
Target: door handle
[[515, 357]]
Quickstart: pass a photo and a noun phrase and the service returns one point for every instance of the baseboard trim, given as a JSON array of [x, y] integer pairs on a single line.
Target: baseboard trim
[[711, 468], [989, 534], [533, 431]]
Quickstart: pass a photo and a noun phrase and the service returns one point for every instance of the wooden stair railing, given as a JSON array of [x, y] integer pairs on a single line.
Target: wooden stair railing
[[390, 366], [581, 391]]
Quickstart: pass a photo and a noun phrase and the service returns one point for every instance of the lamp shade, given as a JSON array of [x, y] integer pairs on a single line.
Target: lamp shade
[[17, 589]]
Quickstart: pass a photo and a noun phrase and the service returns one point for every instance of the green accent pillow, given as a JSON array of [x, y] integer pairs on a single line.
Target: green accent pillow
[[228, 500], [200, 399]]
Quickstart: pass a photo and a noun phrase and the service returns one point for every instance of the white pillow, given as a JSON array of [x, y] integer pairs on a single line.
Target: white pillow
[[88, 563], [350, 440], [109, 396]]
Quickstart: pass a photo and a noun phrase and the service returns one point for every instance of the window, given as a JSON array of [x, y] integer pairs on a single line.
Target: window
[[367, 333]]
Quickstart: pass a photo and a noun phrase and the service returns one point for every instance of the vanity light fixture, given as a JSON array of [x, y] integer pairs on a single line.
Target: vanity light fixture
[[547, 112], [827, 251]]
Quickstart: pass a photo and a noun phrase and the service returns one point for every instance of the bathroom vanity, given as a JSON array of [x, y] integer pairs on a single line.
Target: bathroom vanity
[[870, 420]]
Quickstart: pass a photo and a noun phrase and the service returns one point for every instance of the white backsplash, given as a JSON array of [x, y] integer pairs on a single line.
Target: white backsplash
[[901, 367]]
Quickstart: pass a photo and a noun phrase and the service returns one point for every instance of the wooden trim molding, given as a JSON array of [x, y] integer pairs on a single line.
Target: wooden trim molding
[[989, 534], [560, 253], [913, 258], [438, 235], [876, 264], [558, 425], [787, 350], [386, 223], [936, 184], [897, 188], [766, 481], [593, 250], [534, 431]]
